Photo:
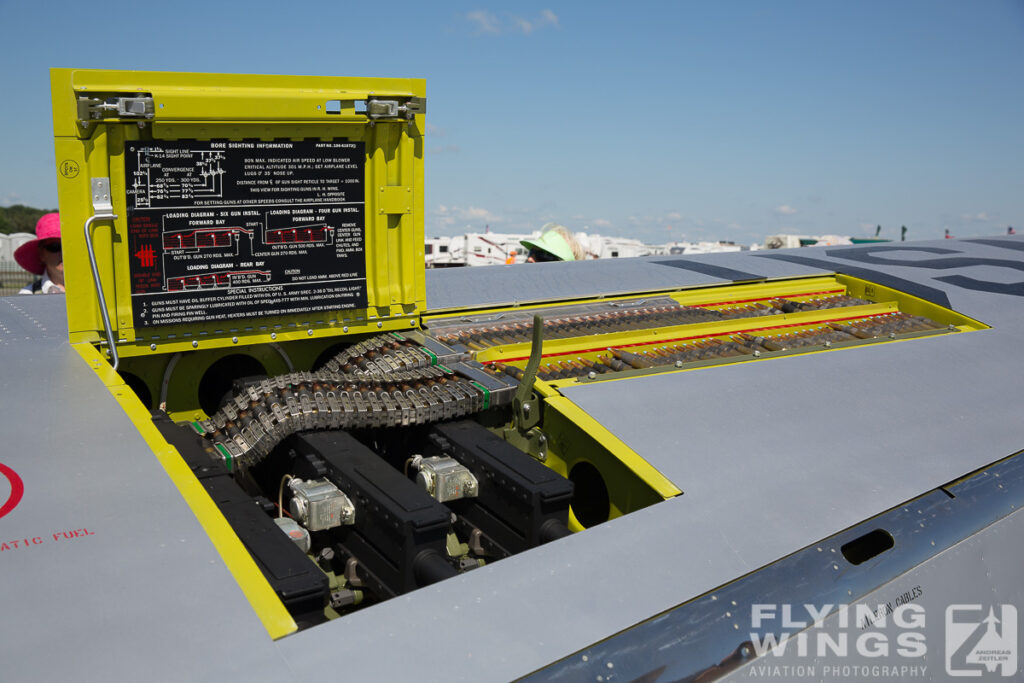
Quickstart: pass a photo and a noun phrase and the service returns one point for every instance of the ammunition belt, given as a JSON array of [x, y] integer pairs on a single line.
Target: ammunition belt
[[385, 383], [607, 322], [882, 326]]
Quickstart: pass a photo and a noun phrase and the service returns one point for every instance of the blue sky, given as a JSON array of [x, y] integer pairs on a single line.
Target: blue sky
[[655, 120]]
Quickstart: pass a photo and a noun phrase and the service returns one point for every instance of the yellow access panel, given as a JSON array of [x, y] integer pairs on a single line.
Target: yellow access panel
[[209, 210]]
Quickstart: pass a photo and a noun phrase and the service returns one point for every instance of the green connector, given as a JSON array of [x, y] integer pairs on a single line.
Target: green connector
[[433, 356], [225, 453], [487, 394]]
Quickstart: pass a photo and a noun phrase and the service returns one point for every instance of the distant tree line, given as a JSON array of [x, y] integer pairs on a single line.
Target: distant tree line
[[19, 218]]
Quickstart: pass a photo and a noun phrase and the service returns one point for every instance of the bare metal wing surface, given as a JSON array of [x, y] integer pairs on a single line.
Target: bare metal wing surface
[[256, 439], [100, 553], [781, 462], [957, 544]]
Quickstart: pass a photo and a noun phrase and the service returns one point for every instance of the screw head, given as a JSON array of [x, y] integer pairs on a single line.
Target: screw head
[[344, 329], [309, 333], [592, 375], [195, 344], [152, 347], [273, 335], [380, 324], [234, 340]]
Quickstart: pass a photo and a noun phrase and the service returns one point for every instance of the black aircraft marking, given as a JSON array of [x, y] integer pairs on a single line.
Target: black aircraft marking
[[727, 274], [936, 296], [1012, 288], [867, 255], [1016, 245]]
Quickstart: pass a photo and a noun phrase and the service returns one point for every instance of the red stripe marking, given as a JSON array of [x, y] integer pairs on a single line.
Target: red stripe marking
[[766, 298], [698, 336], [17, 489]]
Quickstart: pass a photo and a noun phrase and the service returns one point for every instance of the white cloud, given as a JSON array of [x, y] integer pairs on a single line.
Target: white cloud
[[485, 21], [785, 210], [470, 216], [445, 149], [601, 223], [980, 217], [546, 18], [674, 216], [522, 24], [442, 215], [435, 131], [483, 214]]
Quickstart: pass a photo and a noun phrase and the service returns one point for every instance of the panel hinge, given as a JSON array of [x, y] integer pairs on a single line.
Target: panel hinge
[[92, 109], [395, 109]]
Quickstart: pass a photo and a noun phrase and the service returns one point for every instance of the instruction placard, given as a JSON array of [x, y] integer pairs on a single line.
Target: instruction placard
[[223, 230]]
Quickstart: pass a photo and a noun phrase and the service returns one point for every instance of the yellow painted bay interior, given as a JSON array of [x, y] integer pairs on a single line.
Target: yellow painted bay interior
[[825, 313], [611, 479]]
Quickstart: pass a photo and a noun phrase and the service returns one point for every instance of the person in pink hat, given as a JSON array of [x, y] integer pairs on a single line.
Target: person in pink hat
[[43, 256]]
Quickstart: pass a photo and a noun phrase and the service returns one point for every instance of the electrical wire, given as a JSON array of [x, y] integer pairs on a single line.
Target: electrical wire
[[280, 495]]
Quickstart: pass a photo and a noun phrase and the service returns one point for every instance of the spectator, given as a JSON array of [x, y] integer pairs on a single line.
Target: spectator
[[556, 243], [43, 257]]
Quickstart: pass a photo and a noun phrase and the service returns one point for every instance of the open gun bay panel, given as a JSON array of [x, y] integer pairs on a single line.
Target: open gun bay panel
[[398, 460], [252, 265]]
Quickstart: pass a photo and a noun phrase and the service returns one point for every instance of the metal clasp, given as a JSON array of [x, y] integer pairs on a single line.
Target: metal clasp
[[394, 109], [92, 109]]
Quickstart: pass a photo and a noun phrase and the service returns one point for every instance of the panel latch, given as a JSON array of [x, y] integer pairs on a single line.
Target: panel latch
[[395, 109], [91, 109]]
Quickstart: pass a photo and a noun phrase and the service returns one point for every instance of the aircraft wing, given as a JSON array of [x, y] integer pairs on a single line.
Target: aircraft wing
[[784, 469]]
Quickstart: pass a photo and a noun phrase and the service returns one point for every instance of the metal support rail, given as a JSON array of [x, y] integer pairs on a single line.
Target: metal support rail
[[103, 210]]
